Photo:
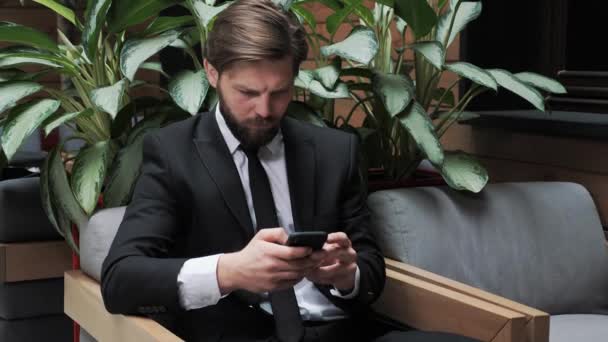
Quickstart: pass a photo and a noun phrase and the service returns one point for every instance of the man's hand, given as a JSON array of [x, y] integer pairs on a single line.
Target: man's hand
[[265, 264], [338, 263]]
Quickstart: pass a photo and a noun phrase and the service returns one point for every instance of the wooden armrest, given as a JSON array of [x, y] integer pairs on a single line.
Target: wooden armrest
[[83, 303], [22, 261], [430, 307], [537, 322]]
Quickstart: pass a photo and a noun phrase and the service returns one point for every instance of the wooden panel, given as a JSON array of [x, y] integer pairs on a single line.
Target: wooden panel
[[84, 304], [537, 322], [510, 156], [426, 306], [575, 154], [34, 260]]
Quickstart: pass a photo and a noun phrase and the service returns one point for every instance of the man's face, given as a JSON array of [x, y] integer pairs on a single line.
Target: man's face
[[254, 97]]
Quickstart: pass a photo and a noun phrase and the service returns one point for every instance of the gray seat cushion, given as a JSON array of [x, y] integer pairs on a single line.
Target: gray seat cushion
[[96, 238], [31, 298], [48, 328], [540, 244], [571, 328], [21, 215]]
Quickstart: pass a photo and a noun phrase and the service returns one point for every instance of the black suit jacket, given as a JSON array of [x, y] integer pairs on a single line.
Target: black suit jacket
[[189, 202]]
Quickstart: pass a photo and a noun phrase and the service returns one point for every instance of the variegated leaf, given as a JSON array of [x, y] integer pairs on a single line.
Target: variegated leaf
[[360, 46], [189, 89], [463, 172], [137, 51], [420, 127], [110, 99], [89, 173], [395, 91], [22, 121], [12, 92]]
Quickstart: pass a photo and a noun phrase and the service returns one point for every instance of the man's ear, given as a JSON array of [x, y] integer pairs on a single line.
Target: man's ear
[[212, 74]]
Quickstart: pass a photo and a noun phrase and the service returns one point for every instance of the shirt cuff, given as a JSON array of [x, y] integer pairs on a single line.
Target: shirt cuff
[[197, 283], [335, 292]]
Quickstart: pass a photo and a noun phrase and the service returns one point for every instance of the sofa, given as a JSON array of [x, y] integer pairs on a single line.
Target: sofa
[[539, 244], [492, 266]]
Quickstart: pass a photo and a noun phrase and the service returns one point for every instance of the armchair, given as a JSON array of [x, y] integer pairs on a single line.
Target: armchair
[[417, 302]]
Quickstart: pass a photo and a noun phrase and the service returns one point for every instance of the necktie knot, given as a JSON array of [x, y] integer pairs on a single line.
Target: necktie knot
[[250, 152]]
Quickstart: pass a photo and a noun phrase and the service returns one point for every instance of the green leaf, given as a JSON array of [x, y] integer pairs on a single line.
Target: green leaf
[[189, 89], [22, 121], [303, 112], [305, 15], [127, 13], [462, 172], [401, 24], [154, 66], [506, 80], [110, 99], [162, 24], [148, 123], [205, 13], [286, 4], [327, 75], [123, 174], [137, 51], [12, 57], [337, 18], [433, 52], [11, 92], [19, 34], [60, 9], [358, 72], [420, 127], [89, 173], [541, 82], [418, 14], [395, 91], [360, 46], [57, 120], [45, 194], [448, 99], [95, 17], [473, 73], [61, 192], [467, 12], [339, 92]]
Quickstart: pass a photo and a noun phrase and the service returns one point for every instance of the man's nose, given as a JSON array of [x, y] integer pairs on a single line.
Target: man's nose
[[264, 108]]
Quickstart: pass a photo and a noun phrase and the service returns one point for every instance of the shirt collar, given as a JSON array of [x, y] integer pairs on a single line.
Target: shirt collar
[[233, 143]]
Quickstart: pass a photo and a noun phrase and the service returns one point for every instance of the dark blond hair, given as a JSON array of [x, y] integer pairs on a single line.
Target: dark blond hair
[[253, 30]]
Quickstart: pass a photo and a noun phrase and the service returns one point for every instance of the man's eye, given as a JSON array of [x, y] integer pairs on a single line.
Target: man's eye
[[248, 93]]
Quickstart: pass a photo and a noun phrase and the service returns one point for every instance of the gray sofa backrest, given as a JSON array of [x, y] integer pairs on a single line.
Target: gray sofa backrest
[[96, 238], [540, 244]]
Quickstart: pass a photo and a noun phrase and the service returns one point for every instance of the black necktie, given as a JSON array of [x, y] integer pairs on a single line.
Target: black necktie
[[288, 323]]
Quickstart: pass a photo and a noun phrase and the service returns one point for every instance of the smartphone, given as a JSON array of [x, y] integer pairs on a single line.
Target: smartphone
[[312, 239]]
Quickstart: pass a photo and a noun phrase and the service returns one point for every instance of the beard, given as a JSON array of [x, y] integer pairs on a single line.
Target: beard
[[252, 133]]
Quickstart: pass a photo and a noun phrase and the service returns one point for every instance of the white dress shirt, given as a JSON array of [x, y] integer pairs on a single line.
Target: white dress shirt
[[197, 280]]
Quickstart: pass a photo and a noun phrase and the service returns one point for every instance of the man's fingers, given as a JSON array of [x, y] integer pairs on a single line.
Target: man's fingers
[[339, 238], [286, 252], [276, 235]]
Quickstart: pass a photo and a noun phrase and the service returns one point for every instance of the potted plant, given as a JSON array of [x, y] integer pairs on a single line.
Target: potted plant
[[406, 112], [102, 106]]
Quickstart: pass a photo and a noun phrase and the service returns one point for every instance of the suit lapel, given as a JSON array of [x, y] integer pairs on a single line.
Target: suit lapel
[[301, 168], [216, 158]]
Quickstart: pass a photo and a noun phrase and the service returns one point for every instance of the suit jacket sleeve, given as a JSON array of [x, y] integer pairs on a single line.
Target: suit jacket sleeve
[[138, 271], [355, 222]]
